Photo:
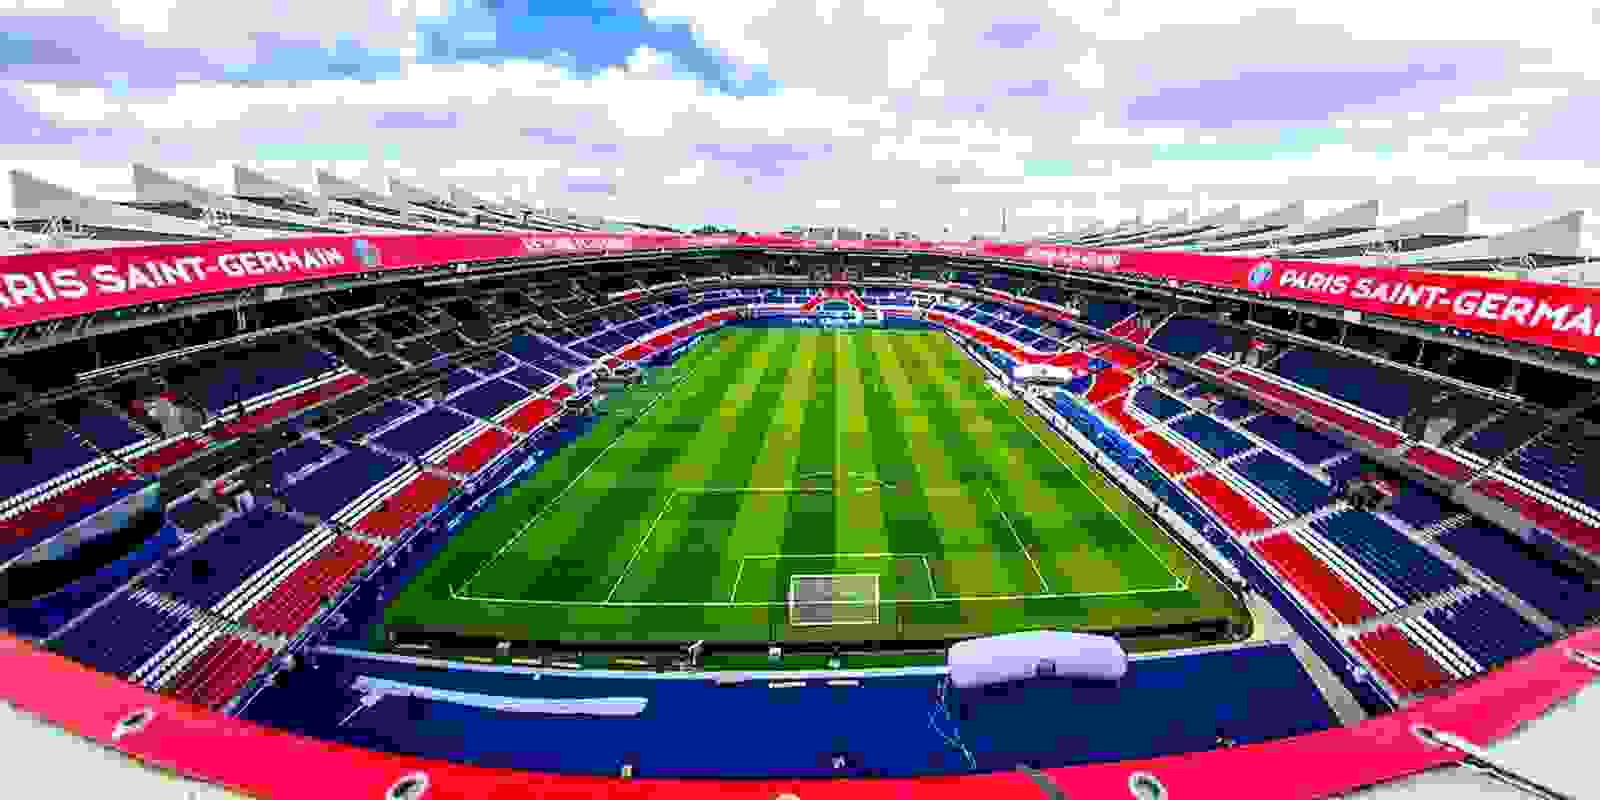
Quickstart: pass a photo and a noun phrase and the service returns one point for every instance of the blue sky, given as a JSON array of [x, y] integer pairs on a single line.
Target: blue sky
[[909, 114], [584, 38]]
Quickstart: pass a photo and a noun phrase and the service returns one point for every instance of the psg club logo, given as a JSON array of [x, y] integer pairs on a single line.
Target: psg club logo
[[366, 251], [1259, 274]]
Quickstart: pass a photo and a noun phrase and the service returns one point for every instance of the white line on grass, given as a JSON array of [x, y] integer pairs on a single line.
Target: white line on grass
[[1085, 485], [735, 593], [839, 555], [782, 603], [557, 499], [640, 547], [932, 592], [1020, 546]]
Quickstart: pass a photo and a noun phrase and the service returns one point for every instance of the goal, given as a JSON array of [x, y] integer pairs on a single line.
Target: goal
[[833, 599]]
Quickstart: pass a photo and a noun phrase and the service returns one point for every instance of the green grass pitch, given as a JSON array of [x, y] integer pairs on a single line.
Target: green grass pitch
[[766, 454]]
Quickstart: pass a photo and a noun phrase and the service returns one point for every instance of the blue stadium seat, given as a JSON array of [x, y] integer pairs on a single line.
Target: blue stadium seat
[[293, 459], [107, 430], [1399, 562], [1158, 404], [1417, 506], [229, 555], [1487, 629], [423, 432], [1559, 594], [57, 455], [1213, 436], [339, 482], [1188, 337], [489, 399], [369, 421], [120, 636], [1546, 465], [1309, 446], [1298, 491], [1385, 392], [1103, 314], [1235, 408]]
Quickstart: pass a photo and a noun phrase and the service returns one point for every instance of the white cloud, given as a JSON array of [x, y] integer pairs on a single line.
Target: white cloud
[[719, 24], [1087, 72], [898, 112], [688, 176], [1519, 97]]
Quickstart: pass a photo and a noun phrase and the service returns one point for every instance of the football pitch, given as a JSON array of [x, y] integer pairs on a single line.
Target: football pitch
[[784, 484]]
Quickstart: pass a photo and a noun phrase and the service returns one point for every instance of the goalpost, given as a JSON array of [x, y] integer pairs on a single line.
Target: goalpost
[[849, 599], [838, 315]]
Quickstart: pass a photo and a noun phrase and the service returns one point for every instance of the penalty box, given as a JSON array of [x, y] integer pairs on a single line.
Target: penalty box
[[690, 550], [688, 553]]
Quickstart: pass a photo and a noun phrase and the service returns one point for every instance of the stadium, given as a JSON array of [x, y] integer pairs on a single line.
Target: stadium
[[431, 496], [798, 401]]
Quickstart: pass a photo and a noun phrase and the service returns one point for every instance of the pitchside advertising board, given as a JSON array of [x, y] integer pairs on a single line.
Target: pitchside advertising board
[[50, 285]]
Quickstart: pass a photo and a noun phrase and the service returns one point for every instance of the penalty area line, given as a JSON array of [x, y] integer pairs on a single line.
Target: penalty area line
[[1085, 484], [1020, 546], [784, 603], [640, 547], [557, 499], [734, 595]]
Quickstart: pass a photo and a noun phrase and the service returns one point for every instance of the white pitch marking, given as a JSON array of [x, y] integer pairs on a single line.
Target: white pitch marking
[[1020, 546], [554, 502], [640, 547]]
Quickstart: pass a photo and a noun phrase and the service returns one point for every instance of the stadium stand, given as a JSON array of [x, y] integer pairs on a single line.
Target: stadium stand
[[1403, 565], [398, 511], [373, 420], [1557, 592], [478, 452], [215, 614], [1157, 403], [205, 573], [1188, 337], [420, 434], [489, 399], [1103, 314], [1335, 598], [1309, 447], [1234, 509], [298, 597], [338, 483], [1402, 663], [1219, 441], [1489, 631], [120, 635], [1388, 393], [1286, 483]]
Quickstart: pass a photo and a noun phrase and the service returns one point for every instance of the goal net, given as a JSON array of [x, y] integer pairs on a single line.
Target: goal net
[[833, 599]]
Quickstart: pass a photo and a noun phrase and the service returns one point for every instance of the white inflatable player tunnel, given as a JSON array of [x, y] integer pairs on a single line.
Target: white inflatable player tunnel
[[1036, 654]]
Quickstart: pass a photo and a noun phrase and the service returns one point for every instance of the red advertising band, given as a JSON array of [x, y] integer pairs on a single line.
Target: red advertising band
[[50, 285]]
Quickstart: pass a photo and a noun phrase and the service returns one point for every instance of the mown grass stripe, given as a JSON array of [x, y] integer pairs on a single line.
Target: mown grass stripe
[[980, 548], [906, 520], [859, 522], [809, 522], [939, 502], [576, 554], [478, 541], [762, 515], [677, 561], [1061, 519], [700, 562]]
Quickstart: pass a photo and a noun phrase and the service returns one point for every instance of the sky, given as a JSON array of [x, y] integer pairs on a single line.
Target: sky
[[906, 114]]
